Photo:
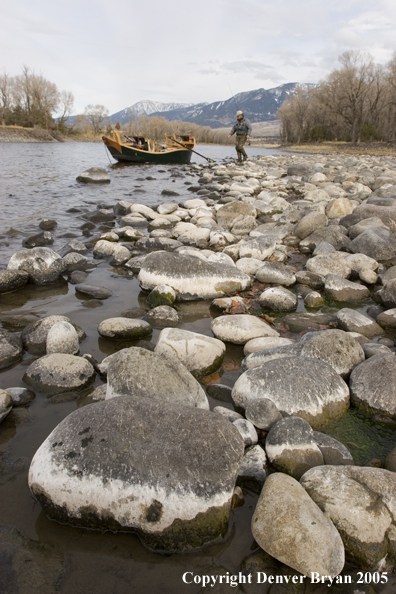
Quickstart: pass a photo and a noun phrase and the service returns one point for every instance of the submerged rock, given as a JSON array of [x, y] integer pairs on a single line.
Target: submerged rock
[[289, 526], [373, 385], [94, 175], [5, 404], [121, 465], [10, 348], [11, 280]]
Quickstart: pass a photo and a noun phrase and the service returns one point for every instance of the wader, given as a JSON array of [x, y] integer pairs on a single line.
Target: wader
[[240, 141]]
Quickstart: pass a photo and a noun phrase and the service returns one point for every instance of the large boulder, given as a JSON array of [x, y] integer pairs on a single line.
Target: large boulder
[[299, 386], [335, 347], [240, 328], [289, 526], [191, 277], [122, 465], [43, 265], [201, 354], [373, 385], [58, 373], [361, 502], [139, 372]]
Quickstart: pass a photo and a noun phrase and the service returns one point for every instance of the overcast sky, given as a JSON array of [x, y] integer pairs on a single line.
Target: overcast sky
[[116, 53]]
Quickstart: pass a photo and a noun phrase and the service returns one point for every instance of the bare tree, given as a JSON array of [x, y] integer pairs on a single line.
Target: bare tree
[[96, 115], [5, 96], [66, 104]]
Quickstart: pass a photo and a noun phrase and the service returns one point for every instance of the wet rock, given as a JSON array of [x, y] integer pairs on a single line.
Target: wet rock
[[253, 466], [12, 280], [116, 253], [247, 431], [291, 447], [143, 485], [311, 279], [34, 336], [307, 388], [58, 373], [335, 347], [48, 224], [43, 265], [313, 300], [135, 263], [162, 316], [276, 273], [351, 320], [263, 413], [191, 277], [74, 261], [261, 248], [278, 299], [21, 396], [361, 504], [5, 404], [124, 328], [39, 240], [138, 372], [340, 289], [28, 566], [10, 348], [241, 328], [202, 355], [300, 321], [94, 175], [162, 295], [333, 451], [219, 392], [325, 264], [283, 511], [387, 319], [372, 385], [264, 344], [93, 291], [62, 338], [78, 277], [18, 320]]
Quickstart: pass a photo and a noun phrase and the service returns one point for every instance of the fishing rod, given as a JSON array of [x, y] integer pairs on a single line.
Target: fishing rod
[[188, 148]]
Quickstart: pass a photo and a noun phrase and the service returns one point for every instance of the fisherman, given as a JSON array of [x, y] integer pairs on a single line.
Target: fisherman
[[243, 129]]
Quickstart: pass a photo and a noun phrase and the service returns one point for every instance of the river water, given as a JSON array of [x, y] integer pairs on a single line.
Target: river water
[[38, 181]]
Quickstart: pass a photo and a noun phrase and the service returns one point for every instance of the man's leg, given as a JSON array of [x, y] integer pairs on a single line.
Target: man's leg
[[240, 141]]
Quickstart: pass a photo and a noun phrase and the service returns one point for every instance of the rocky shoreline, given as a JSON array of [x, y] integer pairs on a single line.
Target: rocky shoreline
[[297, 257]]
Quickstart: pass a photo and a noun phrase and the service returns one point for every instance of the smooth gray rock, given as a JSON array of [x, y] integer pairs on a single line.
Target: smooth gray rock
[[323, 248], [333, 451], [276, 273], [376, 242], [74, 261], [11, 280], [253, 466], [291, 447], [373, 385], [21, 396], [310, 223], [302, 320], [335, 235], [259, 357], [124, 328], [202, 355], [247, 431], [335, 347], [263, 413], [313, 300], [351, 320], [227, 214], [340, 289], [139, 372], [34, 336], [219, 392], [5, 404], [325, 264], [307, 388], [227, 413], [387, 319], [162, 316], [105, 467], [191, 277], [283, 511], [43, 265], [58, 373], [278, 299], [62, 337], [374, 348], [311, 279], [10, 348], [162, 295], [361, 503], [265, 343], [261, 248], [94, 175], [388, 294], [240, 328]]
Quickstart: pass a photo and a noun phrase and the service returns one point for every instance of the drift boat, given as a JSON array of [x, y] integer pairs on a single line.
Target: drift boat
[[137, 149]]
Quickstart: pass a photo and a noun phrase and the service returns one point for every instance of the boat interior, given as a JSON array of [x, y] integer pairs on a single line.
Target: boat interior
[[174, 142]]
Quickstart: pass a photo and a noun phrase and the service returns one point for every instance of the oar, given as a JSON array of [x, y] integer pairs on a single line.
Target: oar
[[189, 149]]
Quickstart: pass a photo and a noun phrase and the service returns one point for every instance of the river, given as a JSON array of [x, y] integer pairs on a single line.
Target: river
[[39, 181]]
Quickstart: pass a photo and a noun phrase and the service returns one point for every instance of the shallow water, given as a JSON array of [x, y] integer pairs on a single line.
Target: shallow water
[[38, 181]]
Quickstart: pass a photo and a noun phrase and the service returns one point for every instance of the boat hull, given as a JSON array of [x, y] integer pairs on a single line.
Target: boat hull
[[124, 153]]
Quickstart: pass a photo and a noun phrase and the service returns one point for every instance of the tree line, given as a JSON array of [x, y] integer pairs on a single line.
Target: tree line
[[29, 99], [354, 103]]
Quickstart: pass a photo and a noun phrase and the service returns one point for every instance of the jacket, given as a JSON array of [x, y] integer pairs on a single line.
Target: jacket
[[242, 127]]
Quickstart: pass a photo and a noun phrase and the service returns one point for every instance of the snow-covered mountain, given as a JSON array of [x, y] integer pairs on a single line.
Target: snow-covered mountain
[[145, 107]]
